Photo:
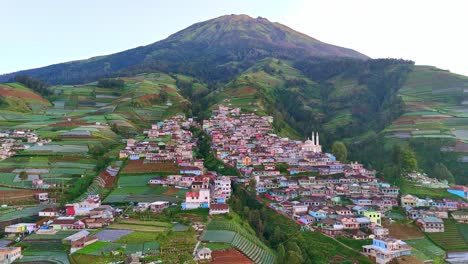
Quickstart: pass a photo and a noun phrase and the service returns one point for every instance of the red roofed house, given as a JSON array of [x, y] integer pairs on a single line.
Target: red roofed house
[[219, 209]]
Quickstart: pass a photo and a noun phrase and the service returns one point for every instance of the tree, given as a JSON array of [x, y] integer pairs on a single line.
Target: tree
[[295, 257], [340, 151], [23, 176], [409, 163], [252, 188], [163, 96], [441, 172], [281, 254]]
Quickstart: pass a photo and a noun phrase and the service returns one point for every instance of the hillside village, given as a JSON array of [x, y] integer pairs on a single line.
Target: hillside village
[[159, 184]]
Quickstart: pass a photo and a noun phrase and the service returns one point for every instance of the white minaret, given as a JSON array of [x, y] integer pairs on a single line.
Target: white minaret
[[313, 138], [318, 143]]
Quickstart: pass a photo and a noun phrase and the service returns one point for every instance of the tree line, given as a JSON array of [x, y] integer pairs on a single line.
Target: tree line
[[36, 85]]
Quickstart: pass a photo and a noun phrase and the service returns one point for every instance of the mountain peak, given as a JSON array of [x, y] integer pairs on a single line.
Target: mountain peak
[[219, 48], [244, 30]]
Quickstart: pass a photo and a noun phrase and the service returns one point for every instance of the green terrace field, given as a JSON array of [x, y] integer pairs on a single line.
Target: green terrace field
[[154, 238], [224, 233], [53, 169], [453, 239], [424, 249], [25, 212], [135, 188], [436, 105]]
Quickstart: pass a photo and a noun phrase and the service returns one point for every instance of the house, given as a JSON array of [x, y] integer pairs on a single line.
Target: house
[[460, 216], [431, 224], [84, 207], [42, 197], [103, 211], [374, 216], [299, 209], [331, 227], [79, 240], [384, 250], [219, 209], [9, 254], [380, 231], [306, 219], [158, 206], [409, 200], [66, 223], [21, 228], [204, 253], [318, 213], [97, 222], [459, 190], [49, 212], [157, 180], [350, 223], [200, 198], [191, 170]]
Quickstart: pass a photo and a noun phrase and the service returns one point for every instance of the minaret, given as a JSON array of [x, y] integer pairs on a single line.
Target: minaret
[[313, 138], [318, 143]]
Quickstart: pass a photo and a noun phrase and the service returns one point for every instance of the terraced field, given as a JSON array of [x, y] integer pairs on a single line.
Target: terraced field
[[244, 241], [424, 249], [451, 240]]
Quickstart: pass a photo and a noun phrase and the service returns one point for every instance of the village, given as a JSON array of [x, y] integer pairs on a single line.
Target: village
[[294, 178], [299, 181]]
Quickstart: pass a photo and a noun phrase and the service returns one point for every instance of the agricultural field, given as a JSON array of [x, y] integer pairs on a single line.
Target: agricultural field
[[223, 232], [135, 188], [424, 249], [137, 166], [132, 235], [435, 106], [452, 239], [25, 212]]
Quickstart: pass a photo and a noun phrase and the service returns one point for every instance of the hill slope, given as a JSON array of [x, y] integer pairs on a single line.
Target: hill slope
[[216, 49]]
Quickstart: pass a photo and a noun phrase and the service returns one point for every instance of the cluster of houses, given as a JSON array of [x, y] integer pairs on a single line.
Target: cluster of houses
[[14, 140], [318, 191], [206, 191], [88, 213], [422, 179], [169, 141], [429, 213]]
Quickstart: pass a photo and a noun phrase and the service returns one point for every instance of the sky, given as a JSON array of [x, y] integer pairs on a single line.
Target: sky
[[39, 33]]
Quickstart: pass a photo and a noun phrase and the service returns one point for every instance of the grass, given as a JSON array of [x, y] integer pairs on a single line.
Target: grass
[[356, 244], [146, 223], [423, 192], [139, 237], [218, 246], [93, 247], [142, 228]]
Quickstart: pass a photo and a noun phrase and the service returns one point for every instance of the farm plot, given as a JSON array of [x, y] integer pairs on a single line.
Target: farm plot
[[111, 235], [57, 149], [218, 236], [142, 228], [451, 240], [244, 241], [25, 212], [135, 188], [424, 249], [230, 256], [137, 166]]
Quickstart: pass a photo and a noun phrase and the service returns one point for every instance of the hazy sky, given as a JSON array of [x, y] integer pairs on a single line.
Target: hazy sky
[[38, 33]]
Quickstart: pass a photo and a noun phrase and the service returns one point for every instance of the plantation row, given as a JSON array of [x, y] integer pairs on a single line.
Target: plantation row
[[253, 251], [451, 239], [220, 225]]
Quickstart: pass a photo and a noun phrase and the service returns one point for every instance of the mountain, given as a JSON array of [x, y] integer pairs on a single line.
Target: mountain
[[217, 49]]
